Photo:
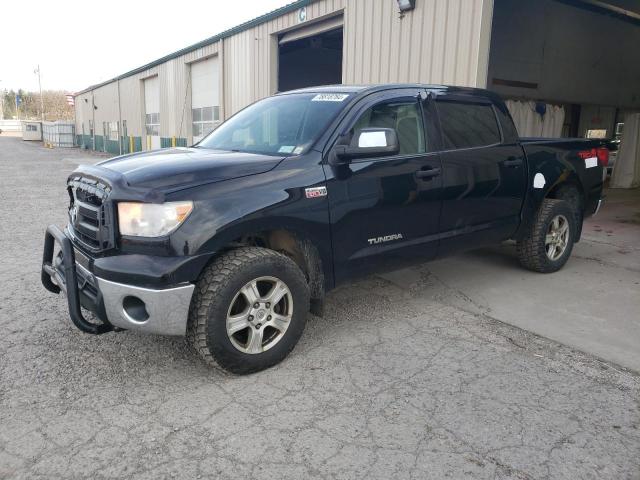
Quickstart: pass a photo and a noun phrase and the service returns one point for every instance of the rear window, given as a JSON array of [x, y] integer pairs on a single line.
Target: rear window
[[467, 125]]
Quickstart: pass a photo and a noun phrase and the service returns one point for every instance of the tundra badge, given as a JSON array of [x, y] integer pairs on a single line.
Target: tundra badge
[[386, 238]]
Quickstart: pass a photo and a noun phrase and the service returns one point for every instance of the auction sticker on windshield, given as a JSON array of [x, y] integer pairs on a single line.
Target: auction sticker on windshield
[[329, 97]]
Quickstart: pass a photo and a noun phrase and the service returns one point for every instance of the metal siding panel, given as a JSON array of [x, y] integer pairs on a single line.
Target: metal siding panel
[[367, 20], [106, 99], [438, 52], [385, 50], [347, 48], [376, 25], [359, 51], [418, 27], [83, 112], [437, 42], [131, 104], [466, 43], [451, 41], [408, 49]]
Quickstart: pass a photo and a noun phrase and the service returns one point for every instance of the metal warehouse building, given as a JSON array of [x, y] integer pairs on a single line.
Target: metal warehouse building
[[568, 66]]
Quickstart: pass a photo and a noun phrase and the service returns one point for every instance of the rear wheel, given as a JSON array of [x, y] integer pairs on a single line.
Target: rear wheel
[[549, 242], [572, 196], [249, 310]]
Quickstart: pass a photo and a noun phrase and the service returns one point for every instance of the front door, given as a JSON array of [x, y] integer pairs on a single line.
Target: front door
[[384, 211]]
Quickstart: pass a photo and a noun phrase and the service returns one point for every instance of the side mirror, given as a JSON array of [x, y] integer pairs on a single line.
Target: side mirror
[[367, 143]]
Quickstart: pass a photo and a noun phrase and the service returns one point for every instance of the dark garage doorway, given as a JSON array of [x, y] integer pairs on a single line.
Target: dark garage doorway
[[312, 60]]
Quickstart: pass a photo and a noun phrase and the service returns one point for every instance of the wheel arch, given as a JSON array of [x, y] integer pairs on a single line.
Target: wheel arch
[[559, 176], [571, 191], [296, 243]]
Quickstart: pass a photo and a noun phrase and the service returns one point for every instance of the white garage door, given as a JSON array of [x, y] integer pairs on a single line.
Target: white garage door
[[152, 112], [205, 109]]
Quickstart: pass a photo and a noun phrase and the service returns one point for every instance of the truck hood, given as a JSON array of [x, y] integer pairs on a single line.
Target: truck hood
[[177, 168]]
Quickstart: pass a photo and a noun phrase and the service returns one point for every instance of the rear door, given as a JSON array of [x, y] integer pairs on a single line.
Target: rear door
[[483, 174], [384, 211]]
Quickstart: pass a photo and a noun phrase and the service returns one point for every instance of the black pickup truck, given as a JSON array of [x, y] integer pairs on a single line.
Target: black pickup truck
[[233, 241]]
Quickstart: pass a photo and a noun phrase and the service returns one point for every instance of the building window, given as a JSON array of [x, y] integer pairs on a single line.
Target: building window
[[32, 128], [113, 131], [152, 124], [205, 119]]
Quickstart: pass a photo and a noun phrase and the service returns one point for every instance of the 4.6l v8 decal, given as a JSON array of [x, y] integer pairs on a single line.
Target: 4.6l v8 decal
[[386, 238], [315, 192]]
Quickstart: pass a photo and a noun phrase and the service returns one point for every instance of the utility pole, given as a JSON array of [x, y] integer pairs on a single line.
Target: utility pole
[[37, 70]]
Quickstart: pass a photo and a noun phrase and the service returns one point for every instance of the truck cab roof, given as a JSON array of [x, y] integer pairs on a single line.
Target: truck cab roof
[[368, 89]]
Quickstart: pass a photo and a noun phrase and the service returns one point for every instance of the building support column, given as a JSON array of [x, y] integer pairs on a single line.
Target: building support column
[[484, 44], [120, 129]]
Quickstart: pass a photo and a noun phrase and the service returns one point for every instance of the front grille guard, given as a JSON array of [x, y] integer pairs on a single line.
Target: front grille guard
[[66, 279]]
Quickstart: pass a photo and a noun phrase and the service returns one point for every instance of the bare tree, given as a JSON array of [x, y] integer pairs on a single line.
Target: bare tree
[[55, 105]]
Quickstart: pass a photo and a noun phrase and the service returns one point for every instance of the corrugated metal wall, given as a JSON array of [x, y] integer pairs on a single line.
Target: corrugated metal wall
[[441, 41], [250, 57], [438, 42]]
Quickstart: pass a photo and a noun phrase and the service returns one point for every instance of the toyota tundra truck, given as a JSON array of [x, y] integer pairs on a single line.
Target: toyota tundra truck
[[233, 241]]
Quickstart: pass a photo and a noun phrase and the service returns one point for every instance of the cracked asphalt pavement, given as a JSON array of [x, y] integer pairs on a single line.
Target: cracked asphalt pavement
[[392, 383]]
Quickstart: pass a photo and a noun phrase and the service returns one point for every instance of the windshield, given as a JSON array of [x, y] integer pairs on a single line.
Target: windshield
[[282, 125]]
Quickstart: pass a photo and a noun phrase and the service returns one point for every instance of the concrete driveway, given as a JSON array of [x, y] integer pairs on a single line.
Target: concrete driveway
[[592, 304], [404, 378]]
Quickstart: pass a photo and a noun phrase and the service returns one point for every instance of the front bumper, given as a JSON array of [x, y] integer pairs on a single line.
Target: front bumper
[[165, 311], [161, 311]]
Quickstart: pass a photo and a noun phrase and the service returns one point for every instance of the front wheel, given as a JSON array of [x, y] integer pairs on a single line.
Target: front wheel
[[548, 244], [249, 310]]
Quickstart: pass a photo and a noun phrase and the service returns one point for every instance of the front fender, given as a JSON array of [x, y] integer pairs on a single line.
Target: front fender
[[275, 200]]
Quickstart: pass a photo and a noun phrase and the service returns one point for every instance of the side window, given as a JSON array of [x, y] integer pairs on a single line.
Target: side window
[[404, 116], [467, 125]]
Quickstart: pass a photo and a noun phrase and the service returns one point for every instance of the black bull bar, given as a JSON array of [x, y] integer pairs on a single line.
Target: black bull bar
[[66, 278]]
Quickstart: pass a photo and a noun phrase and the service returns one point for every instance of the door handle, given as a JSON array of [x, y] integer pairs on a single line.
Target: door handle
[[430, 173], [512, 162]]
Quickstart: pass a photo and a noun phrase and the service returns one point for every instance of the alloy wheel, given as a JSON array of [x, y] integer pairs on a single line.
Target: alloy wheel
[[557, 237], [259, 315]]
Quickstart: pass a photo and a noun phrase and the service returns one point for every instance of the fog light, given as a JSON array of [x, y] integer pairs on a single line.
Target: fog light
[[135, 309]]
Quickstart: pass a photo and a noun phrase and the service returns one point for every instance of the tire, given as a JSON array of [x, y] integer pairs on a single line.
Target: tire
[[534, 250], [572, 196], [221, 304]]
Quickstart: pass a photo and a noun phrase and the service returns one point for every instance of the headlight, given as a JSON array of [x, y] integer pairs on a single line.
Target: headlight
[[151, 219]]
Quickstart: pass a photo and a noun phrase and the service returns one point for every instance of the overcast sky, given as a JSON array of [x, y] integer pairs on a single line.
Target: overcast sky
[[82, 42]]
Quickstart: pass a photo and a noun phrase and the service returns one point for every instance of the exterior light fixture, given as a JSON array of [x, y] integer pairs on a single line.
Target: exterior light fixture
[[406, 5]]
